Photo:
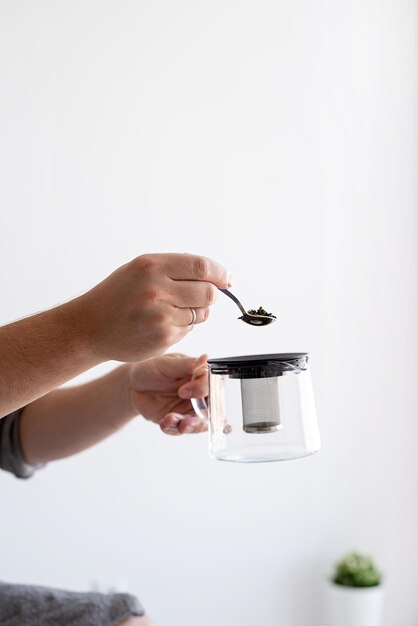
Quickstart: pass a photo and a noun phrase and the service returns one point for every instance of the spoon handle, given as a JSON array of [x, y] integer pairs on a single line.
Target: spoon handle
[[237, 302]]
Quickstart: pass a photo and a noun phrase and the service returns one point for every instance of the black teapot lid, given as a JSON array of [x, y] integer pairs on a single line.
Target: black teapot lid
[[259, 365]]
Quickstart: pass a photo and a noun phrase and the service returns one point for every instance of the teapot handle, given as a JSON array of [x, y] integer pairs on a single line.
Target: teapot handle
[[200, 407]]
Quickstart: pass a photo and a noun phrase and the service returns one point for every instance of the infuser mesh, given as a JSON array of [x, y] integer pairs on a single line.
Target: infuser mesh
[[260, 404]]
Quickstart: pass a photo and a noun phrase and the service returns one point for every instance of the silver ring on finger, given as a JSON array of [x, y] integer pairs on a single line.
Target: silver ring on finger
[[193, 317]]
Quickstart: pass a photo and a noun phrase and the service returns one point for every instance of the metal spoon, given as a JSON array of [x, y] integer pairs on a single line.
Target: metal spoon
[[249, 318]]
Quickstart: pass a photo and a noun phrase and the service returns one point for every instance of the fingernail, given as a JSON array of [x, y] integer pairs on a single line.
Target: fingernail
[[170, 430], [189, 429], [186, 393]]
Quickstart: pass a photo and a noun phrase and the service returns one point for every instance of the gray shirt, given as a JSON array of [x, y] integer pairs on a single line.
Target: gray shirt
[[11, 457]]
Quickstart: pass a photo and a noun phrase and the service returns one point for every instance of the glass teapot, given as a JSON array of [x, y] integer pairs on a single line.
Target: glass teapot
[[260, 408]]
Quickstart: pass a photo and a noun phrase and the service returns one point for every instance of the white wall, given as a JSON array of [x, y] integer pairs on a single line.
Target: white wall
[[279, 138]]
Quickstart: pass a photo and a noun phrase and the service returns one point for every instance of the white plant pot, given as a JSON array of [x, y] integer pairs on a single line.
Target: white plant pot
[[352, 606]]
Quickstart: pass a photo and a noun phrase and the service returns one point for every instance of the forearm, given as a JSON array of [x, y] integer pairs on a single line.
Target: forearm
[[40, 353], [69, 420]]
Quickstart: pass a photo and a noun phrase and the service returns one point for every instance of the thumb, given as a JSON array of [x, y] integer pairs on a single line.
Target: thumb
[[197, 386], [200, 366]]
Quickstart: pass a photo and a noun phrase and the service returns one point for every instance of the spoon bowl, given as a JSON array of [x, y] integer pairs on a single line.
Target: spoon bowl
[[257, 320], [254, 319]]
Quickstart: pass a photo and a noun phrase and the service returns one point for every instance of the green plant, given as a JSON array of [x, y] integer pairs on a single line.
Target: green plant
[[356, 570]]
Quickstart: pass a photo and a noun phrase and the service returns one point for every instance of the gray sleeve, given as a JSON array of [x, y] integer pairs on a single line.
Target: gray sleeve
[[11, 457], [42, 606]]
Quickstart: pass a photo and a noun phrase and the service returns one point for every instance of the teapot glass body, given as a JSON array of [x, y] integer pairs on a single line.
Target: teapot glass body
[[260, 408]]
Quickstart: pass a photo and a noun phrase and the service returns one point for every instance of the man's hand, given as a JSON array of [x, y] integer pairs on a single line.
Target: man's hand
[[144, 307], [71, 419], [161, 389], [136, 313]]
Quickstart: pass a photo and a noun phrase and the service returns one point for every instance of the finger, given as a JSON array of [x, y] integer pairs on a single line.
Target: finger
[[185, 317], [197, 388], [191, 424], [181, 318], [194, 267], [200, 366], [176, 424], [191, 293], [177, 365], [169, 424]]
